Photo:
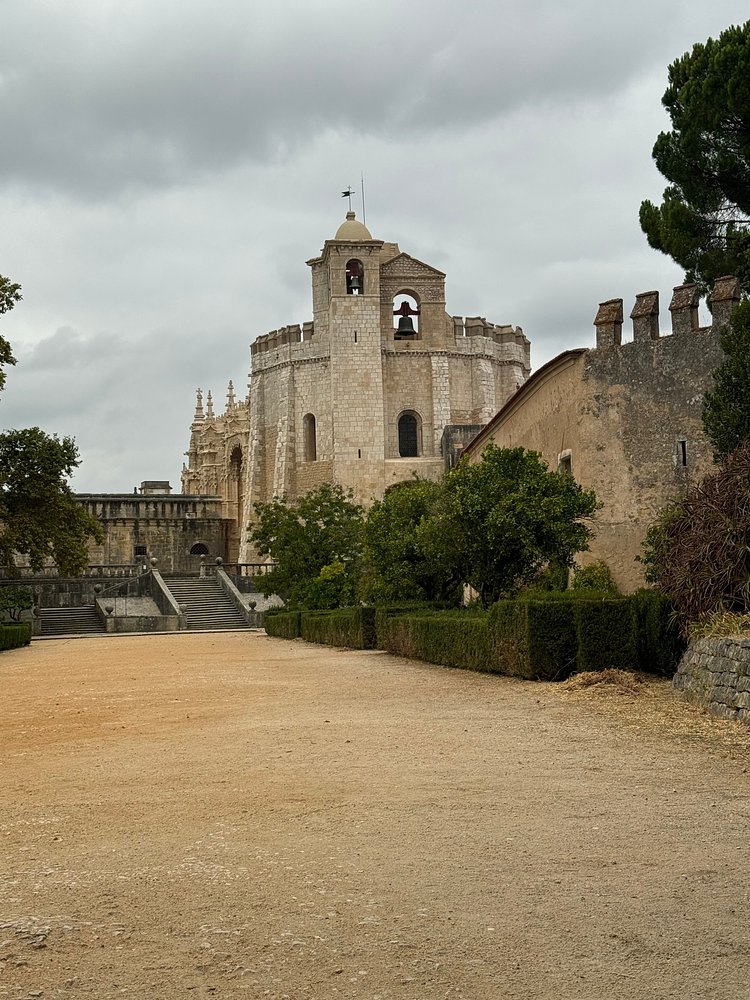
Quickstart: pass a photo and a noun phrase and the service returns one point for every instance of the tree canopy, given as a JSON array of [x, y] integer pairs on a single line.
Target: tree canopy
[[702, 222], [316, 543], [397, 567], [10, 293], [498, 522], [39, 515], [726, 407], [493, 525]]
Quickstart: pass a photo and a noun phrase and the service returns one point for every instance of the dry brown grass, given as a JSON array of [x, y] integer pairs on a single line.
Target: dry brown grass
[[620, 681], [720, 624], [650, 707]]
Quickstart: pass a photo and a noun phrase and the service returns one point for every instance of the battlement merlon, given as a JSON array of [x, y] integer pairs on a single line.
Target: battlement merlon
[[292, 334], [724, 297], [478, 326], [683, 307]]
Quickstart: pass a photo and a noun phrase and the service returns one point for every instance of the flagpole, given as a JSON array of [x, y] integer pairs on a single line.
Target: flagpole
[[362, 184]]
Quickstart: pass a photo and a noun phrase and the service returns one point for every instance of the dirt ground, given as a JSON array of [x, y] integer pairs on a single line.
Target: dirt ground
[[229, 815]]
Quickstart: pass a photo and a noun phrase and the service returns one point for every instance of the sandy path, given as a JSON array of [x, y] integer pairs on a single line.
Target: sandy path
[[238, 816]]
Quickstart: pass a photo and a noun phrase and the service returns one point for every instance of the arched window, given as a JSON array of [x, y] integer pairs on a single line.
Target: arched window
[[355, 277], [408, 435], [309, 438], [406, 316], [234, 484], [199, 549]]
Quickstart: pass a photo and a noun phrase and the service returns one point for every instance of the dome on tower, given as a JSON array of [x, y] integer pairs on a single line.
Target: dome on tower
[[352, 230]]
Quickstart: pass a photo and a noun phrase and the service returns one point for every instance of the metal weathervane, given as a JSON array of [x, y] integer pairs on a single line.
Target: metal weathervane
[[350, 191]]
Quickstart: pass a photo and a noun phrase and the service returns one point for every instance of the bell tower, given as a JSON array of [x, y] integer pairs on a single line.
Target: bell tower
[[346, 307]]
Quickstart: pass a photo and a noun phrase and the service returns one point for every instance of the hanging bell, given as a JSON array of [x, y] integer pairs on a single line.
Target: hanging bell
[[355, 285], [405, 327]]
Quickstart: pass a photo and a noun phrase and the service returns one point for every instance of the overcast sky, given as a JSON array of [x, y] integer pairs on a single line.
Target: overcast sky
[[167, 166]]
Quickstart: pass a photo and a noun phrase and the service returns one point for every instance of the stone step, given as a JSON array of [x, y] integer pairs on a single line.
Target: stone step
[[70, 621], [208, 607]]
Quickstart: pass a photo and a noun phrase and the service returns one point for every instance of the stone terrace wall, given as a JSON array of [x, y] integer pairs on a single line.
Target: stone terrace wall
[[715, 673]]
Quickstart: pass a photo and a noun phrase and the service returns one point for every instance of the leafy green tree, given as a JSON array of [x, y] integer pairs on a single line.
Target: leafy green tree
[[397, 567], [702, 222], [39, 515], [316, 543], [726, 407], [14, 600], [597, 577], [498, 522], [10, 293]]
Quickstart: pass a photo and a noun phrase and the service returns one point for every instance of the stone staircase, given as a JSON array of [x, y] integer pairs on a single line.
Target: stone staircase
[[70, 621], [208, 607]]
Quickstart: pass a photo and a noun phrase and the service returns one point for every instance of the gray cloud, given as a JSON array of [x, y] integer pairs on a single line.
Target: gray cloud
[[150, 95], [167, 168]]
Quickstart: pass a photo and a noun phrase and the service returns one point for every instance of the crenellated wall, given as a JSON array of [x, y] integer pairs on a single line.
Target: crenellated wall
[[624, 418]]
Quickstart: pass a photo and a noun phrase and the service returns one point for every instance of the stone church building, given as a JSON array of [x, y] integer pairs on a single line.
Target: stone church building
[[376, 387]]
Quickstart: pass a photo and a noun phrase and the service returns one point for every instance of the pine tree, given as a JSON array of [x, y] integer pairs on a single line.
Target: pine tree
[[726, 408]]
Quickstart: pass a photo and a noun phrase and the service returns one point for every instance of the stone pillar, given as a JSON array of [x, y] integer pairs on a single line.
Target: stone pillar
[[608, 323], [283, 472], [645, 316], [441, 398], [724, 298], [684, 308], [255, 472]]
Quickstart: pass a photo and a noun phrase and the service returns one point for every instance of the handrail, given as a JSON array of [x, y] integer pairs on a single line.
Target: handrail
[[125, 570], [123, 583]]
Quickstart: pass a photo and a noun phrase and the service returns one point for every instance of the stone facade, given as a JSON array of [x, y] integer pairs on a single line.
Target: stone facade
[[624, 418], [175, 530], [715, 673], [351, 397], [216, 463]]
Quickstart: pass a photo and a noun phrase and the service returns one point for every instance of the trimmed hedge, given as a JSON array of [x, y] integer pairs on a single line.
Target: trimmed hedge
[[351, 627], [606, 632], [448, 638], [660, 645], [15, 635], [547, 637], [535, 639], [282, 624]]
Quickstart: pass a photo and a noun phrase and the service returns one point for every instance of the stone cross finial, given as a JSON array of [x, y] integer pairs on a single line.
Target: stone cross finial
[[198, 405], [230, 395], [724, 298], [209, 405], [645, 316], [684, 308], [608, 323]]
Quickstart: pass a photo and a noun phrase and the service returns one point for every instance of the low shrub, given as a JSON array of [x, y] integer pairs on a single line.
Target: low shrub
[[351, 627], [448, 638], [606, 634], [598, 577], [659, 640], [536, 638], [13, 636], [282, 624]]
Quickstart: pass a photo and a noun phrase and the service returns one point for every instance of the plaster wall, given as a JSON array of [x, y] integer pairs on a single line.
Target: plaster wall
[[626, 416]]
